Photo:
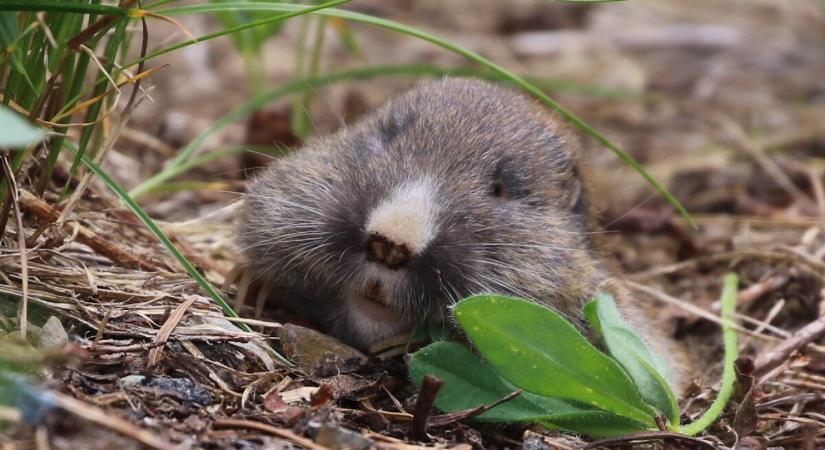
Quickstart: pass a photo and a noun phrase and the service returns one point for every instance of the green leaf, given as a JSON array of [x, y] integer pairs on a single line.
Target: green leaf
[[16, 132], [250, 39], [594, 423], [539, 351], [470, 382], [647, 369]]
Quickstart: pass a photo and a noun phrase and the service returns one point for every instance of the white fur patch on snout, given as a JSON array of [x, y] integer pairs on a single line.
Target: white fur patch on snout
[[407, 216]]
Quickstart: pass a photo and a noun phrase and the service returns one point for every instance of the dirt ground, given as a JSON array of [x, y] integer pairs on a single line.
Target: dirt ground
[[724, 102]]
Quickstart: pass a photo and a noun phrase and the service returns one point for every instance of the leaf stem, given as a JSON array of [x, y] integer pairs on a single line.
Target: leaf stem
[[731, 353]]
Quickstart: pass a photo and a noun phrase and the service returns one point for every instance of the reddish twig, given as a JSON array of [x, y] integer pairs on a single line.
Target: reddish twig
[[446, 419], [119, 255], [426, 397]]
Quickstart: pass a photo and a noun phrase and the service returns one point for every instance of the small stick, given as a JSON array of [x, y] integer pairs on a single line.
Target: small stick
[[166, 331], [776, 356], [119, 255], [446, 419], [426, 397], [14, 194]]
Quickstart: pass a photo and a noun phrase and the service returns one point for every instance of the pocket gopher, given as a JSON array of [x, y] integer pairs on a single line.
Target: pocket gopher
[[455, 188]]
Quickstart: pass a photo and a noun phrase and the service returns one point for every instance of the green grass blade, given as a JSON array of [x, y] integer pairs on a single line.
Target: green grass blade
[[728, 301], [53, 6], [301, 119], [10, 36], [423, 35], [175, 167], [94, 110], [298, 11]]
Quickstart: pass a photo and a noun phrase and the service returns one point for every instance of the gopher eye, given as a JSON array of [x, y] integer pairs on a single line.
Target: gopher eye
[[508, 182], [497, 189]]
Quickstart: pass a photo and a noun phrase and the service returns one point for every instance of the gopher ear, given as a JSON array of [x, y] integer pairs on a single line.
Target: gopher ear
[[396, 122], [577, 202]]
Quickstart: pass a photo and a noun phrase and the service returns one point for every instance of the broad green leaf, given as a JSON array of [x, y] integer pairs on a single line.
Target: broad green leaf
[[15, 132], [594, 423], [539, 351], [470, 382], [584, 419], [647, 369]]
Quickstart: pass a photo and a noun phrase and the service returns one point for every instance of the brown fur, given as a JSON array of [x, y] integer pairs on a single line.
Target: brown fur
[[513, 214]]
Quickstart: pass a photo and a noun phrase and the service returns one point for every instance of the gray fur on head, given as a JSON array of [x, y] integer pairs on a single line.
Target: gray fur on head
[[457, 187]]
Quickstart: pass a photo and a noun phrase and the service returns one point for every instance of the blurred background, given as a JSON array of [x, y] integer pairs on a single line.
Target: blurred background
[[723, 102]]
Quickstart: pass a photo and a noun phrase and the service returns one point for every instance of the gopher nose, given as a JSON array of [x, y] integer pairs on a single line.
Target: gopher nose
[[402, 224], [386, 252]]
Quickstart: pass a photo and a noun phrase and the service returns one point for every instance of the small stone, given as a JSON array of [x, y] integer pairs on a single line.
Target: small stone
[[52, 334]]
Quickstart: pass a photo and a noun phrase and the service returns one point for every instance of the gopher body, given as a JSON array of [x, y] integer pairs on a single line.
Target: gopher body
[[457, 187]]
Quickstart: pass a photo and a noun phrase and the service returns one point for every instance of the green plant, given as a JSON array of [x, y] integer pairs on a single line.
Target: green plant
[[15, 132], [568, 383]]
